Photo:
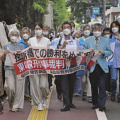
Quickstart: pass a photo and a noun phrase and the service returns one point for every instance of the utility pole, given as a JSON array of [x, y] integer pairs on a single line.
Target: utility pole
[[104, 9]]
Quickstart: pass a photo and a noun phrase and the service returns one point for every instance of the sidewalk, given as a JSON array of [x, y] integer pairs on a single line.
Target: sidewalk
[[21, 115]]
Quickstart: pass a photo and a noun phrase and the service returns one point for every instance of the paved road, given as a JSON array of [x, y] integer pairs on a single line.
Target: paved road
[[82, 112], [113, 110]]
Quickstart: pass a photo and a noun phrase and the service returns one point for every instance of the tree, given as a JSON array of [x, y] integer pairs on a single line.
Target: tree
[[23, 12], [79, 7], [60, 12]]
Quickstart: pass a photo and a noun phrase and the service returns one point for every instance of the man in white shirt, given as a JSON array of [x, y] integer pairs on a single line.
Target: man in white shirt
[[68, 81]]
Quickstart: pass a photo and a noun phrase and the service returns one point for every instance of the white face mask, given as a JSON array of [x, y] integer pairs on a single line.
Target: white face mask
[[66, 31], [38, 32], [107, 36], [97, 34], [115, 29], [26, 36], [61, 34], [45, 33], [87, 32], [13, 38]]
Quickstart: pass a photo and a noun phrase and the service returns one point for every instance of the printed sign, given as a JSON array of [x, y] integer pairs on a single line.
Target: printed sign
[[34, 60]]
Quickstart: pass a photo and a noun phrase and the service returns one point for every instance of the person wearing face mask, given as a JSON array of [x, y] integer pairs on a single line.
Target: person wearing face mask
[[68, 81], [81, 75], [76, 35], [100, 68], [46, 31], [106, 34], [39, 83], [25, 33], [77, 89], [60, 32], [57, 45], [13, 87], [115, 64]]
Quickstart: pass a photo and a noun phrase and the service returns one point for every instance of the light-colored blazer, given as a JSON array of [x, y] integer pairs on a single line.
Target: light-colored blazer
[[103, 45]]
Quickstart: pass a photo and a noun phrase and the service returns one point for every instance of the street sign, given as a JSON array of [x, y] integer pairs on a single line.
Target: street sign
[[96, 11]]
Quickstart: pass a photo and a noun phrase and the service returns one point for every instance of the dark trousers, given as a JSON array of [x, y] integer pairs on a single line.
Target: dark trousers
[[58, 84], [50, 80], [97, 80], [67, 85], [107, 85]]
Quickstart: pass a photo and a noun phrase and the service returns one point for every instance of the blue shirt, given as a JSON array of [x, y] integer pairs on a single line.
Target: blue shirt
[[23, 43], [116, 56], [82, 41]]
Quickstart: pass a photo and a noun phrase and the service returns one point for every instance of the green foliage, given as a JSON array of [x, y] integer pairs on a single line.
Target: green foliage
[[38, 7], [23, 12], [60, 12], [79, 7]]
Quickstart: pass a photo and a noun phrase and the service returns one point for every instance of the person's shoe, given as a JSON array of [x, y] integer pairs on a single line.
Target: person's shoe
[[40, 107], [59, 96], [118, 100], [44, 103], [14, 110], [72, 106], [90, 99], [84, 96], [65, 108], [94, 107], [113, 97], [102, 108]]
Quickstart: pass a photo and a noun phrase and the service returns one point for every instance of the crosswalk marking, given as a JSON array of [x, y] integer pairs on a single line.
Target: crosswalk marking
[[101, 115]]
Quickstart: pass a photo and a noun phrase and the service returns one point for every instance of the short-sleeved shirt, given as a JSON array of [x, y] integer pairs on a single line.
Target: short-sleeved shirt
[[73, 61], [23, 43], [11, 47], [44, 42]]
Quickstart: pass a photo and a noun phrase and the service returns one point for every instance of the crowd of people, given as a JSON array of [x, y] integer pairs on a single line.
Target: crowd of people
[[94, 85]]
